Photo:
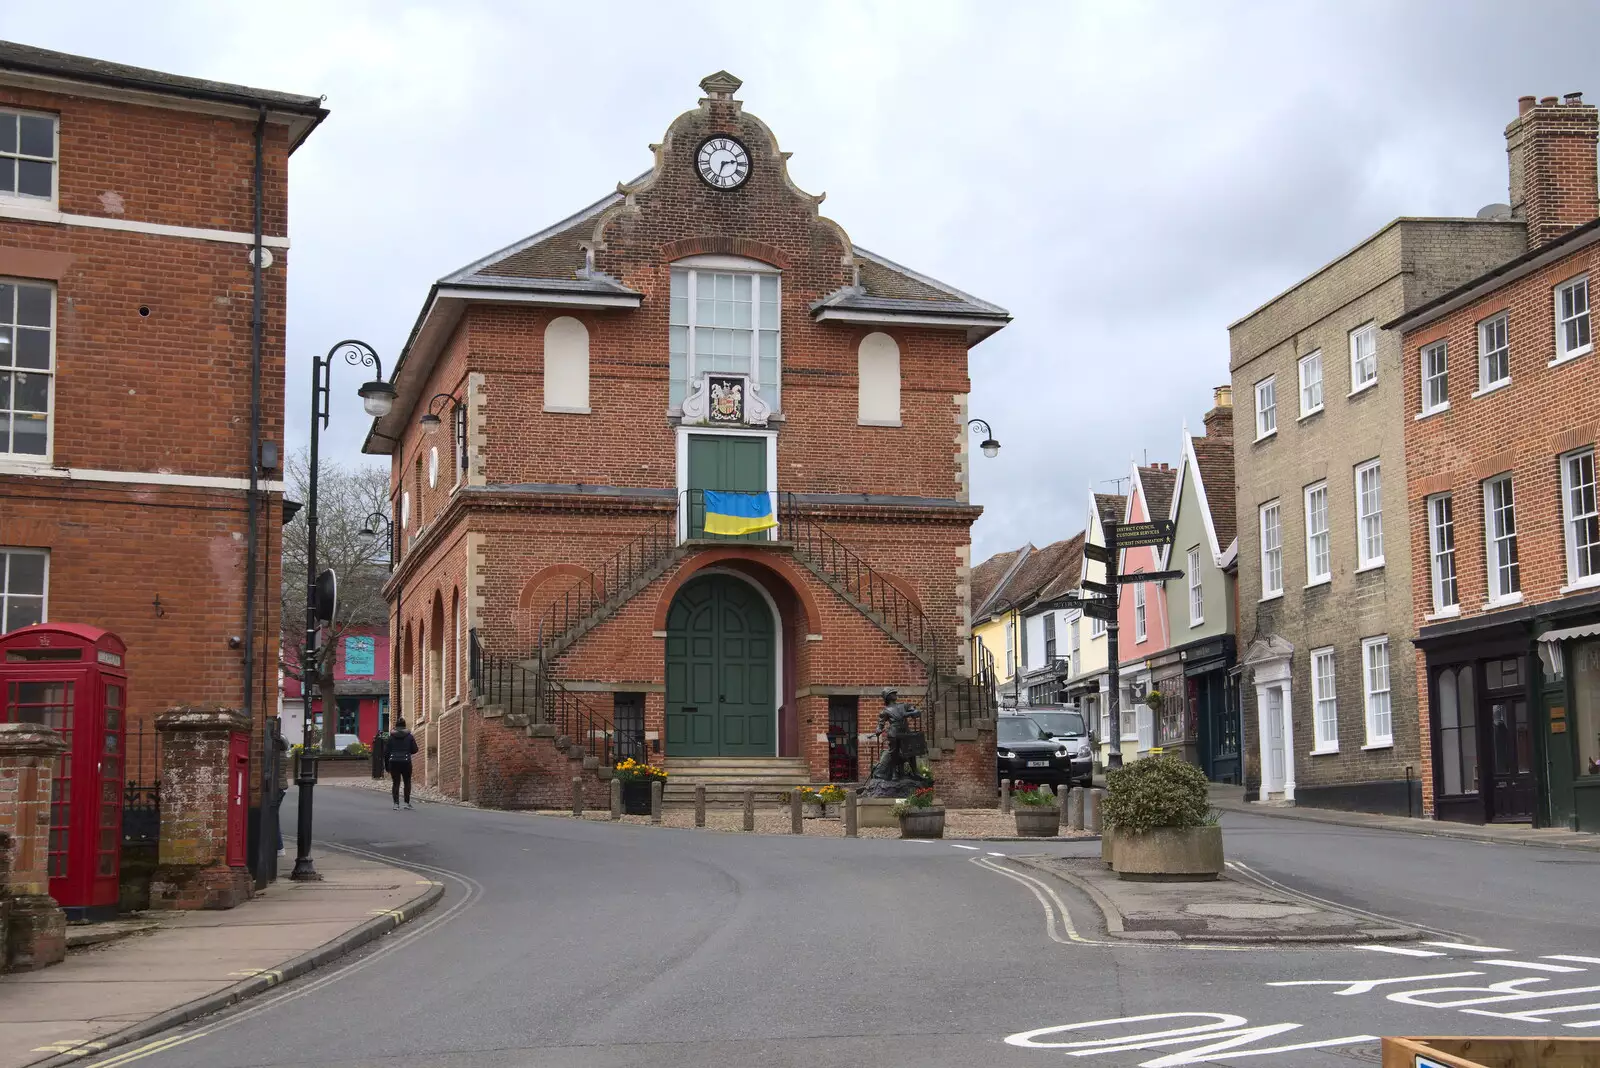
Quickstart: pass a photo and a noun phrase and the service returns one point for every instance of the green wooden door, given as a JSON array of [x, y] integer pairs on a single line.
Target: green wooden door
[[723, 462], [721, 663]]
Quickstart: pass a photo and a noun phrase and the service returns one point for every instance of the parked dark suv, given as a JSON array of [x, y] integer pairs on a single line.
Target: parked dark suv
[[1067, 726], [1026, 752]]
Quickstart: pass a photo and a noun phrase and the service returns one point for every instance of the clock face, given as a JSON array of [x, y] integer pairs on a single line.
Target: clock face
[[723, 162]]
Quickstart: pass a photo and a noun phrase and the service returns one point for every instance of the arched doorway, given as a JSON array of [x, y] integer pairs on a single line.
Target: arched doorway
[[722, 683]]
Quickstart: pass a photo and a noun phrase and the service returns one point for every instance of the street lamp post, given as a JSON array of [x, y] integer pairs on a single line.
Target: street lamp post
[[377, 397], [378, 523], [990, 447]]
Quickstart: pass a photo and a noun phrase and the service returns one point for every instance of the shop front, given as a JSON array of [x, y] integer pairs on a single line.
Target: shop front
[[1569, 656]]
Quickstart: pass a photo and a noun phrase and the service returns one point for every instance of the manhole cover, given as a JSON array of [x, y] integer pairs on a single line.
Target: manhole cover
[[1247, 910]]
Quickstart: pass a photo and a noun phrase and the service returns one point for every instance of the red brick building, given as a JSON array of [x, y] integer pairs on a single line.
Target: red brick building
[[703, 328], [142, 371], [1500, 471]]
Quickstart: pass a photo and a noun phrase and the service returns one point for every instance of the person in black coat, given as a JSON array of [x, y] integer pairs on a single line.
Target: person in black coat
[[402, 745]]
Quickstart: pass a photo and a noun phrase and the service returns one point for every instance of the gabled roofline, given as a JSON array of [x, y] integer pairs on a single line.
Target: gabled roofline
[[1191, 460], [1011, 573], [884, 261], [548, 232]]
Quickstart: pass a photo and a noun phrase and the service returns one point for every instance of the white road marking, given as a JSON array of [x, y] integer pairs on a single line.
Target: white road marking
[[1467, 948], [1366, 986], [1538, 1015], [1575, 960], [1402, 951], [958, 845], [1234, 1031], [997, 854], [1530, 965]]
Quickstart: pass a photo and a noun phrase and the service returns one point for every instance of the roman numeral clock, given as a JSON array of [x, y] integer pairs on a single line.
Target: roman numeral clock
[[722, 162]]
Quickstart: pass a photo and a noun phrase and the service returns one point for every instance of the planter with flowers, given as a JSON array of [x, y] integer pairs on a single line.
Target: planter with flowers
[[920, 815], [636, 779], [1038, 815], [822, 802]]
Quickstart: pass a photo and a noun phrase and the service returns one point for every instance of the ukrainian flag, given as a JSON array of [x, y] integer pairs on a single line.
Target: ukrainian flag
[[738, 513]]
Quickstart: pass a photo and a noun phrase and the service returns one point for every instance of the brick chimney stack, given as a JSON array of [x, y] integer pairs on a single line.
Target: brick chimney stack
[[1550, 147], [1219, 420]]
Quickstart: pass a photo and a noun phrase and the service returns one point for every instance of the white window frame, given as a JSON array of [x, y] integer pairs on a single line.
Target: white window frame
[[1435, 378], [1582, 320], [1371, 690], [1496, 539], [1498, 324], [1319, 542], [1074, 645], [460, 614], [16, 199], [1197, 590], [1576, 485], [1309, 385], [1097, 628], [771, 392], [1271, 550], [1140, 629], [30, 459], [1011, 650], [1446, 601], [1266, 407], [6, 552], [1324, 702], [1369, 537], [458, 432], [1364, 331]]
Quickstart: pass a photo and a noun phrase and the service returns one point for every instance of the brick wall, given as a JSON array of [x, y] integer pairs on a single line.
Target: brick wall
[[1551, 150]]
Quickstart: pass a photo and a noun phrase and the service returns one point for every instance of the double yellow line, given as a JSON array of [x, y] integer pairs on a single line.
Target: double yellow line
[[88, 1049]]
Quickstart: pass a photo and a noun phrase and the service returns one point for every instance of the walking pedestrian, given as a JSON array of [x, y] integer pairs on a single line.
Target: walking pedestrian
[[402, 744], [280, 783]]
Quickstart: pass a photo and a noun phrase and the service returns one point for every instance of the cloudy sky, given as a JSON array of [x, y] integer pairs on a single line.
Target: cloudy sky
[[1127, 179]]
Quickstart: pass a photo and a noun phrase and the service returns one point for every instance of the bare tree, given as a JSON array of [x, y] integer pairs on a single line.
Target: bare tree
[[346, 496]]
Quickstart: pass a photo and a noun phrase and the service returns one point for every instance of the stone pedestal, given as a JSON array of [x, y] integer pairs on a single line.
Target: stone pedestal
[[876, 812], [35, 927], [193, 870]]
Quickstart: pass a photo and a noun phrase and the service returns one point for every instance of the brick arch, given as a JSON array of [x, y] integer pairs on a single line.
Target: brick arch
[[727, 246], [543, 577], [905, 586], [809, 609]]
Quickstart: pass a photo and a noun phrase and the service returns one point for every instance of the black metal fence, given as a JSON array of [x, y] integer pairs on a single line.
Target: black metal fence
[[141, 789]]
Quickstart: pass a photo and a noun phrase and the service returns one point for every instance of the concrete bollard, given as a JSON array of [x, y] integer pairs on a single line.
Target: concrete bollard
[[699, 804], [577, 796], [850, 814], [1091, 810], [1005, 795], [656, 786], [1075, 809], [749, 810], [616, 799], [797, 820]]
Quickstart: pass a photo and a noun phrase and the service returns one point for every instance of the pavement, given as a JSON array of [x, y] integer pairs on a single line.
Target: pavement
[[563, 943], [162, 969]]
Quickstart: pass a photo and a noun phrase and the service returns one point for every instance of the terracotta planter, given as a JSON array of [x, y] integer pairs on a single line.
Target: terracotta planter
[[922, 823], [1038, 821], [1172, 853]]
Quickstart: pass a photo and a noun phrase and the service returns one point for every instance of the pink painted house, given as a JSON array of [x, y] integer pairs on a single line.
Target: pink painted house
[[1142, 613]]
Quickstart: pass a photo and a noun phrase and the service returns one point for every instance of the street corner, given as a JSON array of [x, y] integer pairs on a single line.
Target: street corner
[[1228, 910]]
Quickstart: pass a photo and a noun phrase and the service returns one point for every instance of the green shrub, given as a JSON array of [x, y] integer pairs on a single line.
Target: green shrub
[[356, 749], [1156, 792], [1033, 797]]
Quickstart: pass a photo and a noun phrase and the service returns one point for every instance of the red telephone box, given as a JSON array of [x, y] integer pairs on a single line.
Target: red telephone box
[[72, 677]]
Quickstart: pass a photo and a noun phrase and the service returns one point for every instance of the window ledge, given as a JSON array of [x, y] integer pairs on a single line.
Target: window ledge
[[1307, 415], [1263, 437], [879, 422], [1444, 613], [1493, 387], [1324, 752], [1568, 357], [1326, 580], [1362, 388], [1196, 623], [1370, 746], [562, 409], [1445, 407], [30, 210], [1272, 597], [1502, 602], [1592, 582], [20, 465], [1370, 565]]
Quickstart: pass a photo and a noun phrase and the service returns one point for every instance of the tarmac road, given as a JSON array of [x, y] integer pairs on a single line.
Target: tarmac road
[[562, 944]]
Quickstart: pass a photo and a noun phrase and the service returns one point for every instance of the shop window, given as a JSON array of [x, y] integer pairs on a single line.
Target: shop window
[[349, 715], [1458, 731], [1586, 705]]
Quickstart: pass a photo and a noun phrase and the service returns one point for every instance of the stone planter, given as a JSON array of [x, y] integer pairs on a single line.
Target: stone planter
[[1172, 853], [821, 812], [1106, 845], [636, 797], [922, 823], [1038, 821], [875, 812]]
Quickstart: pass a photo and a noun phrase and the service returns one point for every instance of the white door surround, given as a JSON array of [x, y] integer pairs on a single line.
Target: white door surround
[[1270, 662]]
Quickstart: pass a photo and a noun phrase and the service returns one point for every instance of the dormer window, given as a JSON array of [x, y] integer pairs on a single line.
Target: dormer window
[[27, 156], [724, 320]]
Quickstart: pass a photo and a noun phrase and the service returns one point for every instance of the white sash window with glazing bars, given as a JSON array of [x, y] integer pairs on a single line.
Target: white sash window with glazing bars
[[725, 321]]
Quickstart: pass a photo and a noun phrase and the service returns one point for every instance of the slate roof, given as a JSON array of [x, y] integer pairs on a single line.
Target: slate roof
[[1111, 506], [30, 60], [1158, 483], [987, 577], [1214, 457]]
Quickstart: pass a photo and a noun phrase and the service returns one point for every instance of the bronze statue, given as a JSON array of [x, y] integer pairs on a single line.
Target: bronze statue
[[895, 774]]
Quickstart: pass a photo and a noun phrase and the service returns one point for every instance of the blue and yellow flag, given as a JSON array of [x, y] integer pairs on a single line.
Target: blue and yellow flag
[[738, 513]]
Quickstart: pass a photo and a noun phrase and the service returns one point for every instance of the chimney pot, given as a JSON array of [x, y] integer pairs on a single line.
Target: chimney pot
[[1547, 102], [1223, 396], [1572, 99], [1551, 157], [1524, 104]]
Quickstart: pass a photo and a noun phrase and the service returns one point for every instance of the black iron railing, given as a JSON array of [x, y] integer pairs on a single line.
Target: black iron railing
[[533, 696], [141, 789]]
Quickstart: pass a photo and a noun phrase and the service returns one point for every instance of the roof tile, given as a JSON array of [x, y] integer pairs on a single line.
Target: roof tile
[[1214, 456]]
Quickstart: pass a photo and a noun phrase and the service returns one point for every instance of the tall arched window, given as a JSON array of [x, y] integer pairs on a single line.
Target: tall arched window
[[566, 366], [878, 381]]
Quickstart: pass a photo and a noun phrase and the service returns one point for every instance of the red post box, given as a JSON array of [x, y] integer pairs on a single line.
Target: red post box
[[72, 678], [238, 798]]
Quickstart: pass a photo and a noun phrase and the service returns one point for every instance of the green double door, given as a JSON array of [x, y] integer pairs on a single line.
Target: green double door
[[721, 670], [724, 462]]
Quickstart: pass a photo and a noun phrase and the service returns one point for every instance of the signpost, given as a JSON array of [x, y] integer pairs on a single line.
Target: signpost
[[1121, 536], [1133, 535]]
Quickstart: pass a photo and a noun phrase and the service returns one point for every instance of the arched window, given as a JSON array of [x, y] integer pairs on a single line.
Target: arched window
[[566, 366], [878, 381]]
